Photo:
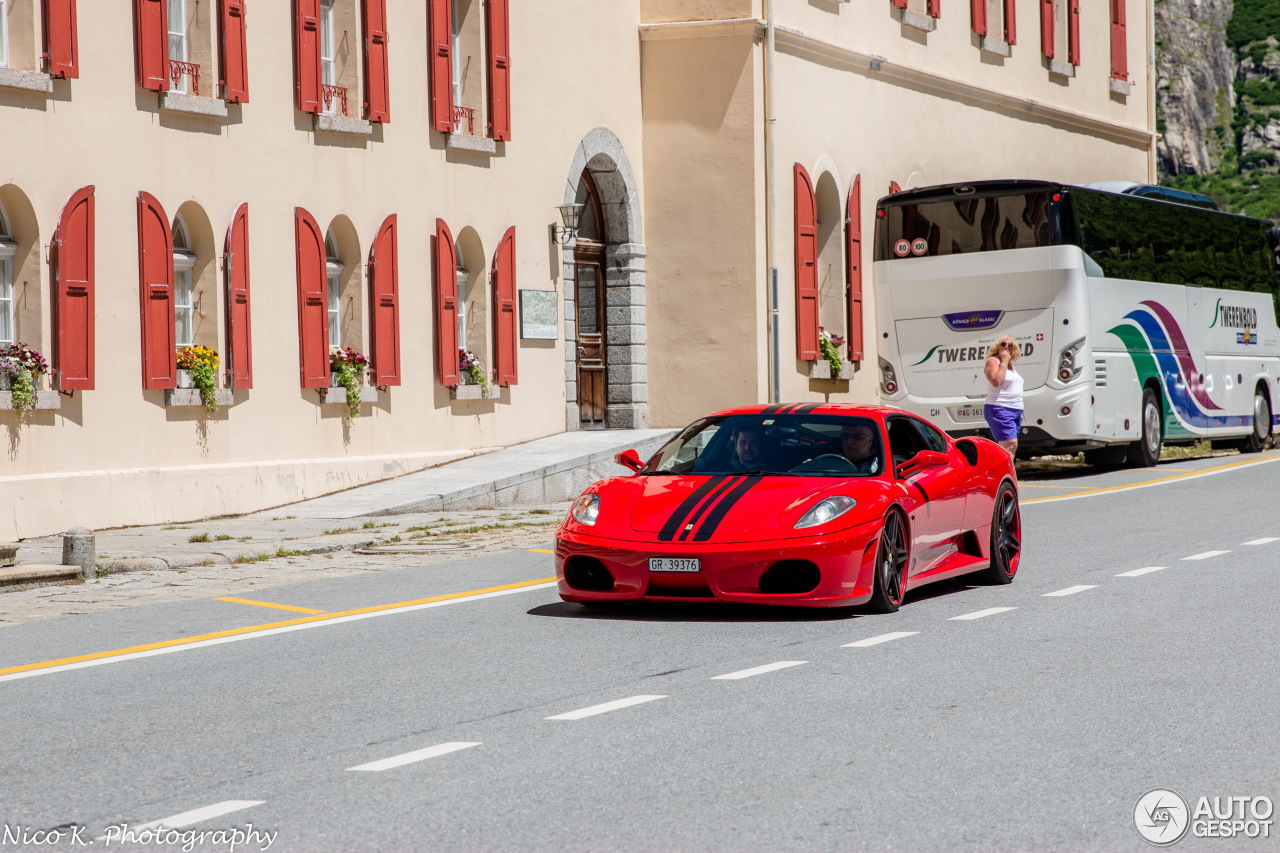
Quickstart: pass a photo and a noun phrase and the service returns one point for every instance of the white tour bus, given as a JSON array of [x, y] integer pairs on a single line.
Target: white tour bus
[[1142, 320]]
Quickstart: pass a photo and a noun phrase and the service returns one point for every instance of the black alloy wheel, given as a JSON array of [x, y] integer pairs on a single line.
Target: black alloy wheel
[[1145, 452], [1257, 440], [1006, 537], [891, 566]]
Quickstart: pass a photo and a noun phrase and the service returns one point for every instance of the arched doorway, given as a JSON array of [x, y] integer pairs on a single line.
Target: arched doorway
[[604, 292]]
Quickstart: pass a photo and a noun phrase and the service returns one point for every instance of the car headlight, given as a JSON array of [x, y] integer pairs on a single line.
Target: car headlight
[[826, 510], [586, 510]]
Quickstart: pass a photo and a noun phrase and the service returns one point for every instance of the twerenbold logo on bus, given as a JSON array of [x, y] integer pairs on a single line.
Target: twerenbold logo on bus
[[1237, 317]]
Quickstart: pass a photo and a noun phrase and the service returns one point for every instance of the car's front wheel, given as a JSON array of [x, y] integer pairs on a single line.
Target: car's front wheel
[[891, 566], [1006, 537]]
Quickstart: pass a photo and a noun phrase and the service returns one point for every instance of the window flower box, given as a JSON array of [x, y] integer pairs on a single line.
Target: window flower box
[[338, 395], [22, 372], [182, 397], [822, 370]]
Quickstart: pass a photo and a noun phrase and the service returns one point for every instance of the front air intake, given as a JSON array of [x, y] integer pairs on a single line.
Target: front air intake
[[587, 574], [790, 577]]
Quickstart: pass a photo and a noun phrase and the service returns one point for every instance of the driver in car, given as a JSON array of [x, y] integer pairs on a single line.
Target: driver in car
[[859, 444], [748, 449]]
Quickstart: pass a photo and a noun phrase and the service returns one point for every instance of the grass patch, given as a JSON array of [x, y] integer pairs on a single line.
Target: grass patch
[[252, 558], [285, 552], [199, 537], [335, 531], [102, 571], [245, 539], [540, 512], [175, 527], [395, 538], [223, 537]]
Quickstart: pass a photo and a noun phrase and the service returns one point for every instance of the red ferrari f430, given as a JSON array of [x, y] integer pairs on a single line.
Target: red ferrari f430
[[813, 505]]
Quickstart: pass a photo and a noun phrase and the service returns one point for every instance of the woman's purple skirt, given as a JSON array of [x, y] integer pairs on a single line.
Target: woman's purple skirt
[[1005, 423]]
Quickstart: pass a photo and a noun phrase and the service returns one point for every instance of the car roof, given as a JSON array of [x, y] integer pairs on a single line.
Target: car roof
[[879, 412]]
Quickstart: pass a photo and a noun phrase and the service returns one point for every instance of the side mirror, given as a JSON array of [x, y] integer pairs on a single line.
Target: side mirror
[[629, 459], [922, 460]]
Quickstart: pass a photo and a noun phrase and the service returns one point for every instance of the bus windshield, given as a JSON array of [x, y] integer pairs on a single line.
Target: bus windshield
[[976, 222]]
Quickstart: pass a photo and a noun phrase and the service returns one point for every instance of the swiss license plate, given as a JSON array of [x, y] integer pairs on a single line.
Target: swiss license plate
[[675, 564], [968, 413]]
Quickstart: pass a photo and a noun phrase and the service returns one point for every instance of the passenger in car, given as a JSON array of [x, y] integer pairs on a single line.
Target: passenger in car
[[858, 442]]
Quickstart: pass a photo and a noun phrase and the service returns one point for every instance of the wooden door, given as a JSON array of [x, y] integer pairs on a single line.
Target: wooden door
[[590, 302]]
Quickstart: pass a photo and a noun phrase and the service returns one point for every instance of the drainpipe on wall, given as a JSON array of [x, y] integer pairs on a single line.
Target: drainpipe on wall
[[1152, 172], [769, 212]]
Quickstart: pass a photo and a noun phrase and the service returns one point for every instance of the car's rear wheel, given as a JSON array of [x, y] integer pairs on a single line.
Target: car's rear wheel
[[1256, 441], [891, 566], [1006, 537], [1145, 452]]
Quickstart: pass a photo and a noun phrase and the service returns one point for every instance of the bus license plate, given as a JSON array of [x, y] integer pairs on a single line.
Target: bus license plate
[[968, 413], [675, 564]]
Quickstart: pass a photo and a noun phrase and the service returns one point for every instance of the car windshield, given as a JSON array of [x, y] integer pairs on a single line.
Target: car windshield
[[794, 445]]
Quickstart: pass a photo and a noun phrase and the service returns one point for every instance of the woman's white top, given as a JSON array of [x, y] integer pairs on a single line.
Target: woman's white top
[[1009, 394]]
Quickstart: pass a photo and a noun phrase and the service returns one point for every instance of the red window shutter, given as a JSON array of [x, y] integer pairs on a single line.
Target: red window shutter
[[978, 12], [806, 216], [894, 189], [935, 8], [313, 309], [377, 99], [73, 282], [440, 13], [233, 58], [853, 270], [1046, 28], [901, 4], [446, 284], [235, 263], [497, 31], [1073, 32], [1011, 21], [60, 43], [505, 328], [151, 32], [306, 56], [155, 285], [1119, 42], [384, 296]]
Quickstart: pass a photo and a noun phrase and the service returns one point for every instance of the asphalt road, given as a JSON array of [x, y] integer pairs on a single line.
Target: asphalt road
[[1034, 728]]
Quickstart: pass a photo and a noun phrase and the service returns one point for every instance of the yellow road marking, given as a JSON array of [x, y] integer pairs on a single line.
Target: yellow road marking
[[182, 641], [541, 551], [1041, 486], [1098, 491], [265, 604]]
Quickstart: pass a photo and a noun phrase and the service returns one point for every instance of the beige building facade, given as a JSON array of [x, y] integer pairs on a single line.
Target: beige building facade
[[211, 135]]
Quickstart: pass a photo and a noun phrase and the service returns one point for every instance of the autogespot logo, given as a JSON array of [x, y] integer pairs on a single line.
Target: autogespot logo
[[1161, 817]]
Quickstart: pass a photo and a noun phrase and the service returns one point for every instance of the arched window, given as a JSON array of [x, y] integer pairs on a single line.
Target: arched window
[[333, 275], [8, 248], [184, 305]]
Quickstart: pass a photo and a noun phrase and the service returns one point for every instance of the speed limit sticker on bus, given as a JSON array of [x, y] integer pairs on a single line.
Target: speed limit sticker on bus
[[902, 248], [919, 246]]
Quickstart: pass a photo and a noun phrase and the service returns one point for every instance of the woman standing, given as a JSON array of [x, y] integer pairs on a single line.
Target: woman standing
[[1003, 410]]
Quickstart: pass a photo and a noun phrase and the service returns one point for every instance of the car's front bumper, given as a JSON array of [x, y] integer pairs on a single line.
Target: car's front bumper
[[729, 573]]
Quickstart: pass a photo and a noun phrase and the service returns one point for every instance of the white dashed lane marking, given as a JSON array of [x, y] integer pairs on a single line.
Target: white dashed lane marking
[[1071, 590], [1206, 555], [1136, 572], [417, 755], [758, 670], [1263, 541], [194, 816], [990, 611], [875, 641], [615, 705]]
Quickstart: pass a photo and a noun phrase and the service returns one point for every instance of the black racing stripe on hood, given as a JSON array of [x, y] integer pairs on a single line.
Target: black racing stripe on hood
[[706, 505], [806, 409], [676, 520], [722, 508]]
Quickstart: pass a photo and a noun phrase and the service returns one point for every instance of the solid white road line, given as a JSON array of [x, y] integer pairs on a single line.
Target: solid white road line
[[605, 708], [416, 755], [758, 670], [1136, 572], [990, 611], [1206, 555], [1263, 541], [1071, 590], [194, 816], [875, 641]]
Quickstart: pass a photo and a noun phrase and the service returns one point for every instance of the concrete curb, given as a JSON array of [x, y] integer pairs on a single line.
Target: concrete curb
[[36, 572]]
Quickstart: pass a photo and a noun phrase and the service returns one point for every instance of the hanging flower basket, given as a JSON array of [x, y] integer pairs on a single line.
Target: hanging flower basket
[[21, 369], [346, 370]]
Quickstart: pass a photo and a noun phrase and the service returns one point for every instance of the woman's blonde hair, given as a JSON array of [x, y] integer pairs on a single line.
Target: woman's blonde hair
[[993, 351]]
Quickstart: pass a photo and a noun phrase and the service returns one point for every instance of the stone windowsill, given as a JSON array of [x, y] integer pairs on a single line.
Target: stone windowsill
[[1121, 87], [182, 397], [44, 400], [995, 46], [1062, 69], [470, 392], [918, 21], [175, 102], [822, 370], [342, 124], [331, 396], [474, 144], [31, 81]]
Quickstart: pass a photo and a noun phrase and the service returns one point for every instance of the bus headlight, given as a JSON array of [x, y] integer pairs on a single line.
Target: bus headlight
[[1067, 368]]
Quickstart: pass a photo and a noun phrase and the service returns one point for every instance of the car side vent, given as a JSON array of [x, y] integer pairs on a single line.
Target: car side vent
[[1100, 372], [968, 450]]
